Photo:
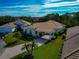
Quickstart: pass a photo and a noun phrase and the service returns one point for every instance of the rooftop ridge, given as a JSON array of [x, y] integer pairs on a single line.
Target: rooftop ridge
[[72, 36], [72, 53]]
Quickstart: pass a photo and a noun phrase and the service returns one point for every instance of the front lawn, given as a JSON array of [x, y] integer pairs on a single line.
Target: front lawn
[[13, 39], [47, 51]]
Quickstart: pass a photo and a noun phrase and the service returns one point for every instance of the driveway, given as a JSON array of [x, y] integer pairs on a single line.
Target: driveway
[[40, 41]]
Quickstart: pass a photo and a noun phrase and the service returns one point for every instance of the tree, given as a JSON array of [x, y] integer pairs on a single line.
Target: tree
[[28, 45], [6, 19]]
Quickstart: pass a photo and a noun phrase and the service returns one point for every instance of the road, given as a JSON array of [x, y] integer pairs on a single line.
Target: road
[[11, 52], [2, 44]]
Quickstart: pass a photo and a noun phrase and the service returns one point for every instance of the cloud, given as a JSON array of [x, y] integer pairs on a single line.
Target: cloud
[[9, 12], [18, 6], [28, 8], [49, 5], [33, 8], [17, 13], [49, 1], [60, 9], [53, 10]]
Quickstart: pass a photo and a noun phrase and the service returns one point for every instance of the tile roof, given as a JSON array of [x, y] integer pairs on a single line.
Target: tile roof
[[10, 24], [26, 23], [46, 26], [7, 27], [72, 31], [72, 44]]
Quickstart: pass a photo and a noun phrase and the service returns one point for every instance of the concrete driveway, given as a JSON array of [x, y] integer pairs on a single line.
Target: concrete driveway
[[40, 41]]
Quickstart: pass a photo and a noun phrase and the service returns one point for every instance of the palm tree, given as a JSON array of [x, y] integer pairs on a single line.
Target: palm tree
[[28, 46], [29, 49]]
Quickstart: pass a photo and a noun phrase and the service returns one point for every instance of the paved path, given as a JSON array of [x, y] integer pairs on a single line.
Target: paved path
[[11, 52]]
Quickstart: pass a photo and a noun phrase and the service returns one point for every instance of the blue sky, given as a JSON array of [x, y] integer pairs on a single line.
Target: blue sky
[[37, 7]]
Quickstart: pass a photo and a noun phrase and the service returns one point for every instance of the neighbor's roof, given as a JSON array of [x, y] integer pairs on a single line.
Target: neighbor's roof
[[72, 44], [9, 27], [26, 23], [71, 32], [46, 26], [10, 24]]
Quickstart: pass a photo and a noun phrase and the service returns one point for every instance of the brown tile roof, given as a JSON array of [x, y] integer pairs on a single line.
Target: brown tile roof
[[72, 32], [71, 44], [74, 55], [11, 24], [23, 22], [46, 26]]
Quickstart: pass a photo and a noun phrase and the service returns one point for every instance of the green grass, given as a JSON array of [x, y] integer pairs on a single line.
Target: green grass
[[13, 39], [47, 51]]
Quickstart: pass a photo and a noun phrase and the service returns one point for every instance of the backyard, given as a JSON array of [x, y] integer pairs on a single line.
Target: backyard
[[48, 51]]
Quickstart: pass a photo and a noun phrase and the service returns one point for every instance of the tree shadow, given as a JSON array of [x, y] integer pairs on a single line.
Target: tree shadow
[[28, 56], [10, 44]]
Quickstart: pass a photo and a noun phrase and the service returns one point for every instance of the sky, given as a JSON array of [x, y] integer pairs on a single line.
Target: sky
[[37, 7]]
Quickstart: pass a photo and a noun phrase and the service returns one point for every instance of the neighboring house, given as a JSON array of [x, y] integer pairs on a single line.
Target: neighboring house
[[22, 24], [7, 28], [71, 44]]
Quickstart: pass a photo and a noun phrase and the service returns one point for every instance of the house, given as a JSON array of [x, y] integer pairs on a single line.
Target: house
[[41, 31], [44, 29], [71, 44], [9, 27]]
